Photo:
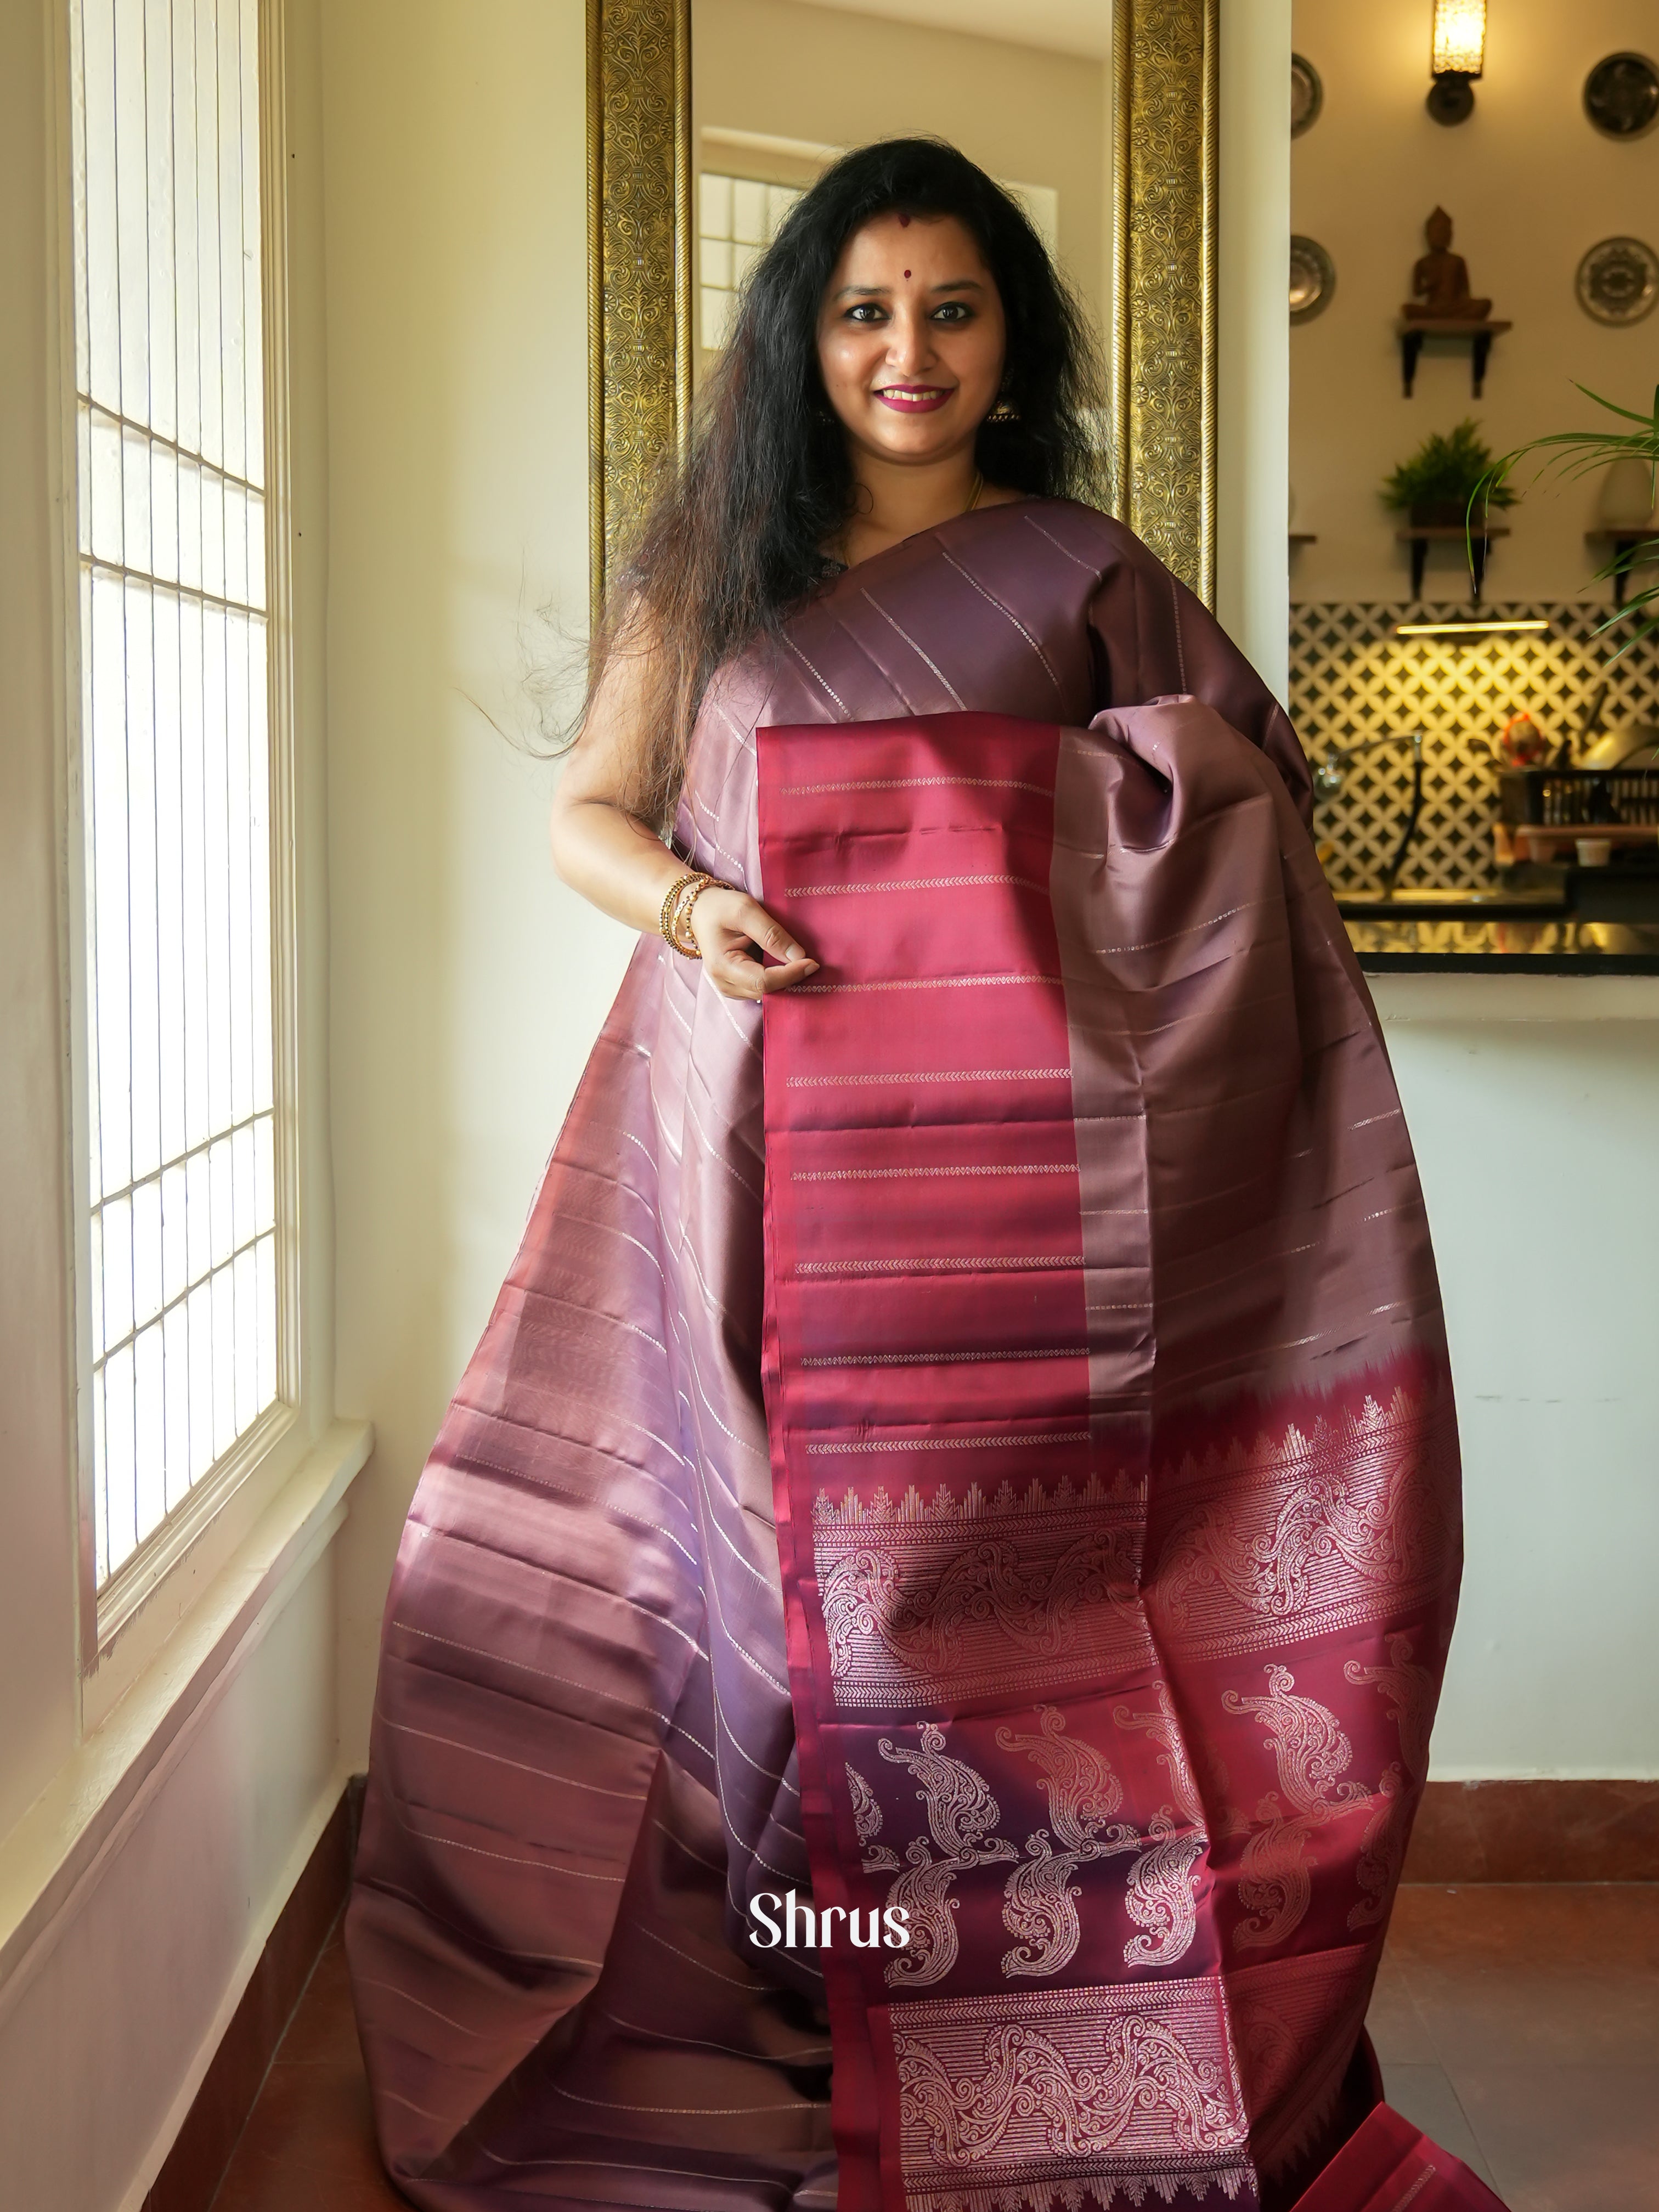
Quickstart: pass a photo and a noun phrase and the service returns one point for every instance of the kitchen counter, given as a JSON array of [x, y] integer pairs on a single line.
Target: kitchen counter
[[1561, 946], [1539, 921]]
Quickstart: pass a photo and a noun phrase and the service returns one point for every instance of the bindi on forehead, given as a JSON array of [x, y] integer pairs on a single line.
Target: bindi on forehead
[[907, 272], [904, 223]]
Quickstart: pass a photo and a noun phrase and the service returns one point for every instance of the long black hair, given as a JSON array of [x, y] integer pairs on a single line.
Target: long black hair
[[735, 534]]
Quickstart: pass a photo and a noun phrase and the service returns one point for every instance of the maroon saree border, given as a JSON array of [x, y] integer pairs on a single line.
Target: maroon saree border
[[947, 1340], [1079, 1585], [1389, 2165], [870, 937]]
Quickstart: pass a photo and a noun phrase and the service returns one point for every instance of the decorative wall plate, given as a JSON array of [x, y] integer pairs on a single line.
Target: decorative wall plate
[[1621, 96], [1307, 94], [1618, 280], [1312, 279]]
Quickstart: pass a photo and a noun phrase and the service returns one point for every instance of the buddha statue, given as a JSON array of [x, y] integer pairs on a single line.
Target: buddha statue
[[1440, 282]]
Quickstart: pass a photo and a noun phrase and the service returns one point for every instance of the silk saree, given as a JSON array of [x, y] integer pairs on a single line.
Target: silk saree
[[965, 1454]]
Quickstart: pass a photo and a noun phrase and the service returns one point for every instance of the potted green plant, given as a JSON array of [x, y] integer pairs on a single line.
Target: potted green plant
[[1436, 487], [1578, 454]]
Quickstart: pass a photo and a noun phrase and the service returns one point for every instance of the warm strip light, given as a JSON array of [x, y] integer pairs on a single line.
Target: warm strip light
[[1460, 38], [1461, 630]]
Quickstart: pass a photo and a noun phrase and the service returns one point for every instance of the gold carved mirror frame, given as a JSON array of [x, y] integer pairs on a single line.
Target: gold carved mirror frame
[[1160, 347]]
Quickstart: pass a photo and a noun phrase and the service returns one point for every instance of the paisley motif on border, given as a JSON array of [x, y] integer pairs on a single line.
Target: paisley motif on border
[[930, 1602], [1039, 1903], [875, 1857], [1005, 2097], [1411, 1693], [1081, 2110], [1317, 1529], [1382, 1850], [1162, 1896], [1312, 1755], [961, 1815]]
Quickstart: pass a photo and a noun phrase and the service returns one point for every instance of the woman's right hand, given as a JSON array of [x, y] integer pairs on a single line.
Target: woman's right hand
[[728, 925]]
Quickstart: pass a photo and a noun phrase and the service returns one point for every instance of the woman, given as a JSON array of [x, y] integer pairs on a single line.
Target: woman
[[944, 1555]]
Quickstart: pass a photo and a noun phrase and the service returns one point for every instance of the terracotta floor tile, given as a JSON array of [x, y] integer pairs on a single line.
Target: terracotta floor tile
[[1614, 1923], [1426, 2098], [1567, 2138], [1397, 2028], [324, 2030], [309, 2147], [1521, 1975]]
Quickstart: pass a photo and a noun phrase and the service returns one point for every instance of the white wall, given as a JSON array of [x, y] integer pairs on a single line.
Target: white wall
[[1531, 1102], [1252, 337], [1530, 186], [107, 2028], [468, 984]]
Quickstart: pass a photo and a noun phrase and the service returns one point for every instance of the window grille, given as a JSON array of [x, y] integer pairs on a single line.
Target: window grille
[[180, 1149], [737, 219]]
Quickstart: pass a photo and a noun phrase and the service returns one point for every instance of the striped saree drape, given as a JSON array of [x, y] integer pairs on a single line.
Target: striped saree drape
[[981, 1449]]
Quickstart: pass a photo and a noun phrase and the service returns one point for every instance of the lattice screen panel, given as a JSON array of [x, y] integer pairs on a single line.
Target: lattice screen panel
[[1351, 679]]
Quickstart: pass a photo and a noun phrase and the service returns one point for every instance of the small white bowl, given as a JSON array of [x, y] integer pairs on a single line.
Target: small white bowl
[[1594, 852]]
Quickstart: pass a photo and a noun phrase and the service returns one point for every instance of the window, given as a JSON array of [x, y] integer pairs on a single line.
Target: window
[[185, 1199], [737, 218]]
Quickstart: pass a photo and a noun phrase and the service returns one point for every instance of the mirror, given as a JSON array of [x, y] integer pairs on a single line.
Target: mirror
[[779, 87], [1461, 263], [705, 116]]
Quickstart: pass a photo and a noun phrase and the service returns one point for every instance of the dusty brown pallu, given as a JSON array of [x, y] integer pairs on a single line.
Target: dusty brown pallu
[[1113, 1656]]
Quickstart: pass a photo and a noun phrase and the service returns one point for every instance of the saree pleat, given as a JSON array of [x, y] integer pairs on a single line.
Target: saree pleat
[[1193, 1311]]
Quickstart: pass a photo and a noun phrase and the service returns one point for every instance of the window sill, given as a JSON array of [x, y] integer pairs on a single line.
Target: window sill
[[142, 1611], [125, 1597], [58, 1850]]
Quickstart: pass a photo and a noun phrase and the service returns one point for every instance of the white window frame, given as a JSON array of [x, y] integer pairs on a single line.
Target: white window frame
[[178, 1555]]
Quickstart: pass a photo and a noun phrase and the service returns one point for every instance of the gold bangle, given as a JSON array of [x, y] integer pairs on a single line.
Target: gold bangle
[[676, 917], [667, 919], [682, 939]]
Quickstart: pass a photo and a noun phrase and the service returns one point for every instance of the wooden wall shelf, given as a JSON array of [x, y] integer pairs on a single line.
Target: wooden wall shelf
[[1421, 537], [1479, 336], [1624, 543]]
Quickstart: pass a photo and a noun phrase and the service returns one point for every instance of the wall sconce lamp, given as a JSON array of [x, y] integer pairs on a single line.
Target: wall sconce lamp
[[1457, 56]]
